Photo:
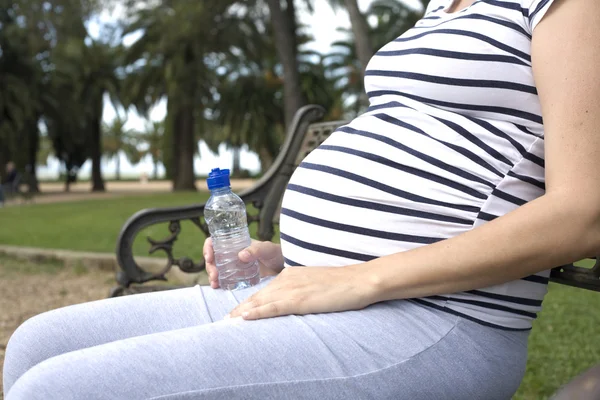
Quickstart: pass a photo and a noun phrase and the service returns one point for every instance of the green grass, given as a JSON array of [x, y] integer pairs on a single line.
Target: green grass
[[563, 342], [94, 225]]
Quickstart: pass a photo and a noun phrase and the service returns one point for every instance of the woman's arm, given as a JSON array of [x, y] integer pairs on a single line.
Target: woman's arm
[[560, 227]]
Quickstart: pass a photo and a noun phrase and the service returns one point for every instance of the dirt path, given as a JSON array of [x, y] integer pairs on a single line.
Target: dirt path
[[29, 289]]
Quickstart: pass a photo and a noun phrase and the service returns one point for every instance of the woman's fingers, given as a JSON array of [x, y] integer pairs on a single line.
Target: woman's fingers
[[248, 255], [269, 310], [209, 260]]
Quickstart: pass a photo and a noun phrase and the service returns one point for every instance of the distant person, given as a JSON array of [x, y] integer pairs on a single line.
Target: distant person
[[10, 183]]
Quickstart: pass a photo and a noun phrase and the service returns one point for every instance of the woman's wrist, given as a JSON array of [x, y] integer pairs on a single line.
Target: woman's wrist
[[367, 284]]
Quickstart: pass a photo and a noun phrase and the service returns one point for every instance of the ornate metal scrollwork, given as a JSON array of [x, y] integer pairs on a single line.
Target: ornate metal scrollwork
[[185, 264]]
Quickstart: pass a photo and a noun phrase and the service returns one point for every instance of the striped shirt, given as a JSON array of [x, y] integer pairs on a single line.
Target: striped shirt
[[453, 138]]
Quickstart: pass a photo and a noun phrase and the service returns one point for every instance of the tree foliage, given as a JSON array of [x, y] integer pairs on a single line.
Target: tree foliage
[[231, 72]]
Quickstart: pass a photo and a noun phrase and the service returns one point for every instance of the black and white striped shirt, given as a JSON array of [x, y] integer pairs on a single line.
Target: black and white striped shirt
[[453, 138]]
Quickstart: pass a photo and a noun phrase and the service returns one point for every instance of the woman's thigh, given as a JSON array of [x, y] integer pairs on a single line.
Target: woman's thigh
[[390, 350], [95, 323]]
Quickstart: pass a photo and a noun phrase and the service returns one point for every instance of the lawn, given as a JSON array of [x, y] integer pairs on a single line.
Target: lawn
[[94, 225], [563, 341]]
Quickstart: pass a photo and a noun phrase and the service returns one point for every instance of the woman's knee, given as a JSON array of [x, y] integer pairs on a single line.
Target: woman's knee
[[35, 340], [50, 379]]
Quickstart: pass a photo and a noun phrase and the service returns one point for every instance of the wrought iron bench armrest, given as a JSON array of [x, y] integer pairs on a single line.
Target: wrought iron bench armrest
[[584, 278]]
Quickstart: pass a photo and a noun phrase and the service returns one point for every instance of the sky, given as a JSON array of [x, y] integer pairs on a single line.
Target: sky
[[323, 24]]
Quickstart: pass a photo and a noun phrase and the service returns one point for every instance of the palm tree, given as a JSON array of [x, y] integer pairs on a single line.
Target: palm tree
[[152, 138], [169, 60], [92, 67], [360, 29], [117, 140], [284, 23]]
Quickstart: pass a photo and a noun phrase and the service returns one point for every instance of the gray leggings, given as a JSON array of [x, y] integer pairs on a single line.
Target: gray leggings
[[176, 345]]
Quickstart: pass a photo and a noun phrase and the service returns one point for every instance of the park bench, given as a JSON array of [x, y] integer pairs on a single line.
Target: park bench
[[304, 135]]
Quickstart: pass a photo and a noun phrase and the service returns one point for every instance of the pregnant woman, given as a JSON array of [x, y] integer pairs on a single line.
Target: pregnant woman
[[415, 241]]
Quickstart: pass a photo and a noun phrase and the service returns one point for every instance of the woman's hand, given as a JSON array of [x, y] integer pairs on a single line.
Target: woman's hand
[[267, 254], [308, 290]]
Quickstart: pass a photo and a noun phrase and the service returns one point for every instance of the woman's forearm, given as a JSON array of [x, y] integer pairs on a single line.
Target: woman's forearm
[[543, 234]]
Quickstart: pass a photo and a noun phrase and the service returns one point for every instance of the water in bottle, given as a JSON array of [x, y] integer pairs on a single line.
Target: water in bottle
[[225, 214]]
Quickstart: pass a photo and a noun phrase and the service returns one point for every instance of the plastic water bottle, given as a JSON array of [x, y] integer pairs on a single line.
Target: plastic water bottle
[[225, 214]]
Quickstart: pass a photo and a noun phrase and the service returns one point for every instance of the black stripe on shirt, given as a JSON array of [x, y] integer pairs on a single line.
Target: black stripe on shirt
[[291, 263], [486, 217], [528, 179], [525, 130], [537, 279], [487, 18], [484, 304], [377, 206], [435, 10], [517, 145], [411, 170], [539, 8], [471, 107], [474, 35], [452, 54], [424, 157], [400, 237], [508, 197], [385, 188], [326, 250], [506, 24], [535, 159], [509, 299], [465, 316], [459, 149], [442, 80], [508, 5], [484, 124], [477, 142]]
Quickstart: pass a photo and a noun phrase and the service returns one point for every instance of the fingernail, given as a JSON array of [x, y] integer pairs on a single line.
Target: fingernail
[[246, 253], [245, 314], [227, 316]]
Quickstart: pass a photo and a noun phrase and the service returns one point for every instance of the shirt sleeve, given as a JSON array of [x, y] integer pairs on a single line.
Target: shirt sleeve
[[433, 4], [535, 11]]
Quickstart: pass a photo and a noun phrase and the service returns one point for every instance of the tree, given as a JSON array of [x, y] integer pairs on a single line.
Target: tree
[[116, 141], [169, 60], [284, 30], [360, 28], [152, 138], [92, 66]]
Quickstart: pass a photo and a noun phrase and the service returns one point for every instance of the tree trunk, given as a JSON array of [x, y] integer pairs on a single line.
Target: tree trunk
[[284, 24], [155, 172], [67, 182], [183, 149], [266, 159], [34, 145], [118, 167], [236, 169], [96, 153], [360, 29]]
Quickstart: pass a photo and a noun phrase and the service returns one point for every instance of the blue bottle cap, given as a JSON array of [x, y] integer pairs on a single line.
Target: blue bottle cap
[[218, 178]]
